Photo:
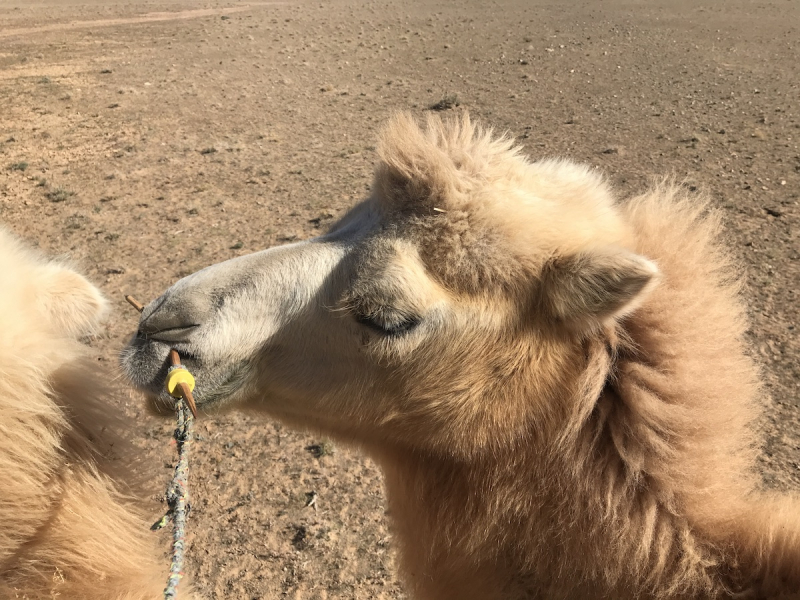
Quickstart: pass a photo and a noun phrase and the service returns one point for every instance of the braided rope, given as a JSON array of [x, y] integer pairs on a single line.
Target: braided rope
[[177, 497]]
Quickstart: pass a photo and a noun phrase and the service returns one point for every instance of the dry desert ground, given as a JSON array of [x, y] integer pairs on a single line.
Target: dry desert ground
[[149, 139]]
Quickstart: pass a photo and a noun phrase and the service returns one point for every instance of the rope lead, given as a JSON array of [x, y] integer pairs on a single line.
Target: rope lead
[[179, 384]]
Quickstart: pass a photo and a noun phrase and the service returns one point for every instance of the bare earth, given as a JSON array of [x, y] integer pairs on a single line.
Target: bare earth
[[147, 140]]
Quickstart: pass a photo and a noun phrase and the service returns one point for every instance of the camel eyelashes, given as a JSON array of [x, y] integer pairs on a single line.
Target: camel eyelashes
[[392, 324]]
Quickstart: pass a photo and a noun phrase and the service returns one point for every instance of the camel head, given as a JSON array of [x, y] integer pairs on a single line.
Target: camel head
[[449, 308]]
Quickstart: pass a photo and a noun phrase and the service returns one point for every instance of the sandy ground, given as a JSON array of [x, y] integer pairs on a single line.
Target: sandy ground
[[149, 139]]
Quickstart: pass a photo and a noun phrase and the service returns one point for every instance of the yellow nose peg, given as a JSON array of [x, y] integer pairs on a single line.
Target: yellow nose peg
[[180, 382], [175, 378]]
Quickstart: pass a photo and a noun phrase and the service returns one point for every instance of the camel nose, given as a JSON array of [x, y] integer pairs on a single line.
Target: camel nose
[[175, 316]]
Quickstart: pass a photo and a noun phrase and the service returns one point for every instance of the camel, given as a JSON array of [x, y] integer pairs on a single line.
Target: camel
[[68, 529], [554, 381]]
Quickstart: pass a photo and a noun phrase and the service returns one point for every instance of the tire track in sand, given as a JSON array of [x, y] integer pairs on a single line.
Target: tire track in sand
[[152, 17]]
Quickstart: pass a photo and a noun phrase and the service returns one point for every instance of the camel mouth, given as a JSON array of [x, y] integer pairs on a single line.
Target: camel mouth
[[208, 399], [145, 362]]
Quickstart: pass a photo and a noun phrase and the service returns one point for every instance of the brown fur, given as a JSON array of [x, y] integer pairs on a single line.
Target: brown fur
[[611, 459], [554, 382], [67, 530]]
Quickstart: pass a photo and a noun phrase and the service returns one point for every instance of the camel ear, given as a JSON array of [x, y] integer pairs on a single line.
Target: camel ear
[[74, 306], [585, 290]]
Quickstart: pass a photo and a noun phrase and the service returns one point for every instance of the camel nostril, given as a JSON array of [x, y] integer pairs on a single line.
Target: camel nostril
[[175, 316], [171, 334]]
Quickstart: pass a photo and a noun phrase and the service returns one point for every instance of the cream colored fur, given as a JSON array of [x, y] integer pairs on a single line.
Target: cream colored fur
[[637, 478], [67, 531], [554, 382]]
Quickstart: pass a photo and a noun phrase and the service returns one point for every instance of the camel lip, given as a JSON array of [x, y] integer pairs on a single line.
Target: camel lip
[[226, 387], [145, 363], [163, 404]]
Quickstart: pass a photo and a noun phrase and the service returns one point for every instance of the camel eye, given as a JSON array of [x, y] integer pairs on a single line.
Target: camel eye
[[388, 322]]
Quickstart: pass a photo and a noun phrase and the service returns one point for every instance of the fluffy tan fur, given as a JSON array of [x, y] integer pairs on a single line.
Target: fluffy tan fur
[[554, 382], [602, 448], [67, 531]]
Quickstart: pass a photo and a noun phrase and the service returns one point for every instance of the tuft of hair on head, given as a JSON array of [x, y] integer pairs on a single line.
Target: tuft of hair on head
[[585, 291], [431, 166], [412, 172]]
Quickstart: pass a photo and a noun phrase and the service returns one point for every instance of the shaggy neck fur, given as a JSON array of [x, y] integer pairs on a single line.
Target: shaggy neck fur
[[645, 489]]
